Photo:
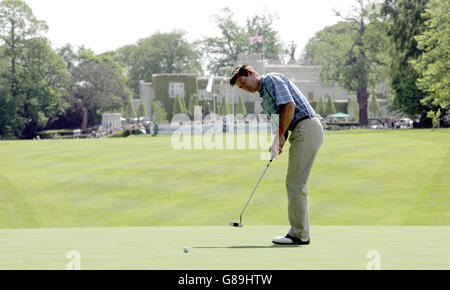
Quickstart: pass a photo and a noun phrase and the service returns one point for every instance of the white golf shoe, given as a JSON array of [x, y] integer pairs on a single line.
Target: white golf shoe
[[289, 240]]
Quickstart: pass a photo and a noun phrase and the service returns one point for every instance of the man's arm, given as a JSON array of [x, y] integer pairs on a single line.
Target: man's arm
[[287, 115]]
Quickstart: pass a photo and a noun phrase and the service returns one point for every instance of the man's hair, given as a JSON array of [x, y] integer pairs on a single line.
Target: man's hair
[[241, 70]]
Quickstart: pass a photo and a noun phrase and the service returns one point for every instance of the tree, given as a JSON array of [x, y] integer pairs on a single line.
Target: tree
[[330, 108], [374, 106], [223, 110], [183, 105], [17, 26], [159, 114], [222, 52], [338, 36], [193, 102], [159, 53], [351, 54], [241, 107], [320, 107], [128, 110], [433, 65], [353, 108], [225, 107], [404, 20], [179, 106], [141, 112], [98, 85], [43, 78], [176, 108], [262, 25], [215, 104]]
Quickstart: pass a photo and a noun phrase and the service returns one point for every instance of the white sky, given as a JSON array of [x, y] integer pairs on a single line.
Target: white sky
[[103, 25]]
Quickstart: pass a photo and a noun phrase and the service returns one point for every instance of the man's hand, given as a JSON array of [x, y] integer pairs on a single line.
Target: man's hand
[[277, 146]]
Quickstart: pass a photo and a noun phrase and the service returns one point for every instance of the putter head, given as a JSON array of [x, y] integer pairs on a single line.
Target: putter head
[[237, 225]]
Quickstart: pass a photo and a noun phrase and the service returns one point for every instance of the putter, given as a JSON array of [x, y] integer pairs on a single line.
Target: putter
[[240, 225]]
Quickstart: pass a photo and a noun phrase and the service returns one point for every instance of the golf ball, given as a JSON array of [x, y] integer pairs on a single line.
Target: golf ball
[[186, 249]]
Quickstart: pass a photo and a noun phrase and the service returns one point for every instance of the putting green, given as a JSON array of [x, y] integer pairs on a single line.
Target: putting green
[[377, 198], [224, 247]]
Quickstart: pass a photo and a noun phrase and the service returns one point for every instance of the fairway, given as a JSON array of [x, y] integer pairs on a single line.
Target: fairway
[[222, 247], [360, 178], [135, 203]]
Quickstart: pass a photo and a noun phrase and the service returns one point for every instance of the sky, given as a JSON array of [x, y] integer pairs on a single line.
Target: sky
[[104, 25]]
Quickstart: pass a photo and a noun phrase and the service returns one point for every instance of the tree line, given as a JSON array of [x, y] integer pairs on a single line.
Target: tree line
[[402, 44], [397, 46]]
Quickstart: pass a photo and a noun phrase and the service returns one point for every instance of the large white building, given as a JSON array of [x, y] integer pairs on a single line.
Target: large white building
[[307, 79]]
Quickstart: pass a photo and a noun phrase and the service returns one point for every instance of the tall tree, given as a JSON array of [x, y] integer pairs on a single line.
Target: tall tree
[[141, 111], [159, 113], [320, 107], [353, 108], [43, 80], [32, 75], [241, 109], [128, 110], [179, 106], [351, 53], [222, 52], [433, 65], [193, 102], [330, 109], [263, 26], [98, 85], [17, 24], [224, 108], [405, 19], [159, 53]]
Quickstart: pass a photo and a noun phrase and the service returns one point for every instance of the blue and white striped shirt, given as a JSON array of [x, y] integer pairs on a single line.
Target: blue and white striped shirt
[[276, 91]]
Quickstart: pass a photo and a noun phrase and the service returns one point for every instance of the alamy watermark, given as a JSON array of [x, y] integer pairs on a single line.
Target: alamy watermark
[[374, 260], [75, 260], [224, 133]]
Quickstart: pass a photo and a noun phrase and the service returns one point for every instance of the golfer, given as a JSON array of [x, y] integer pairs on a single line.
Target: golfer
[[282, 99]]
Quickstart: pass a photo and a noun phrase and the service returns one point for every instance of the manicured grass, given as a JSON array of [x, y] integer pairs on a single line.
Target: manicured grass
[[361, 177], [222, 247], [135, 203]]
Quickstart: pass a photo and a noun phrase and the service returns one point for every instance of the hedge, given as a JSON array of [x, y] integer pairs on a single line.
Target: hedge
[[340, 107], [124, 133], [48, 134]]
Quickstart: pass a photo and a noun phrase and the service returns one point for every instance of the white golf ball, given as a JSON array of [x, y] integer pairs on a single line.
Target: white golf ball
[[186, 249]]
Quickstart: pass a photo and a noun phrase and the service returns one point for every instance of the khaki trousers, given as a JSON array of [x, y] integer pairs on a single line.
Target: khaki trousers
[[305, 140]]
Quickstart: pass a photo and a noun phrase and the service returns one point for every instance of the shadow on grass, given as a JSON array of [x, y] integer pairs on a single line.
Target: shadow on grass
[[252, 247]]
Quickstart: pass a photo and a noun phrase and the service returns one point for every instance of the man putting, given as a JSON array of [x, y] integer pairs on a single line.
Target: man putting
[[282, 98]]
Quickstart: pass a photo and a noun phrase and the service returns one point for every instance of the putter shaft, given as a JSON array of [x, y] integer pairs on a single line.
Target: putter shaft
[[240, 219]]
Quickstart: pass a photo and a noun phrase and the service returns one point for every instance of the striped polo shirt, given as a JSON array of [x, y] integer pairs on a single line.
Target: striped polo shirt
[[277, 90]]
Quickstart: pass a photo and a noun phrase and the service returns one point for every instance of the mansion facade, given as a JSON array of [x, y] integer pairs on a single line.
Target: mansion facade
[[306, 78]]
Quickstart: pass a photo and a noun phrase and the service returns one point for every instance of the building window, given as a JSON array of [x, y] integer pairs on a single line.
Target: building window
[[311, 96], [176, 89]]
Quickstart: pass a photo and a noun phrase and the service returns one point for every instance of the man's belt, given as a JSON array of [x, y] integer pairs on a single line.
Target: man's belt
[[299, 120]]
